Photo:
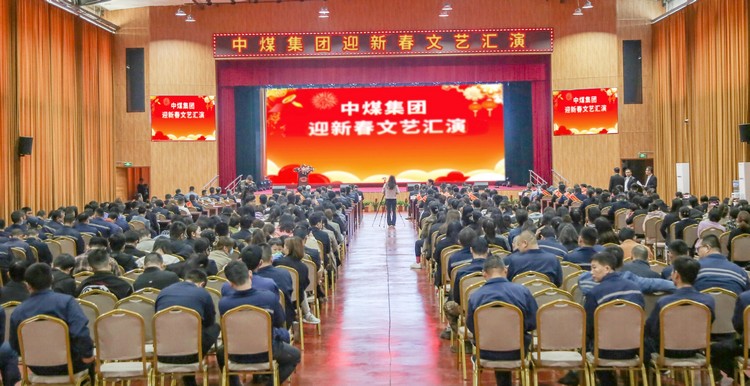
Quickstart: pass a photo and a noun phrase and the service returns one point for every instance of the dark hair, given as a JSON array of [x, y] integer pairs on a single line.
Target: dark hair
[[466, 237], [117, 242], [237, 273], [391, 182], [493, 263], [17, 270], [177, 230], [97, 241], [711, 241], [589, 235], [480, 245], [626, 234], [64, 261], [714, 215], [99, 260], [196, 275], [678, 247], [131, 237], [38, 276], [687, 268], [251, 256], [153, 258], [617, 252], [606, 259]]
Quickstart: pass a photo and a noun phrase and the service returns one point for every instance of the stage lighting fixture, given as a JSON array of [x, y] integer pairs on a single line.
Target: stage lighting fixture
[[588, 5], [180, 12], [443, 13], [190, 19], [447, 7], [323, 13], [578, 12]]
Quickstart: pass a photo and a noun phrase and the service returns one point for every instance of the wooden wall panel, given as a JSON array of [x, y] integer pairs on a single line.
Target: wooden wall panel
[[586, 158], [177, 165]]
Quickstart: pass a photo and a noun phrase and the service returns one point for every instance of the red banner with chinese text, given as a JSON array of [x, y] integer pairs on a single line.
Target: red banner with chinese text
[[587, 111], [364, 134], [379, 43], [183, 118]]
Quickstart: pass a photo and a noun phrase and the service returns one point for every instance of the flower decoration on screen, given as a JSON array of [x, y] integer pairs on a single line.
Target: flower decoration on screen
[[482, 96], [304, 169]]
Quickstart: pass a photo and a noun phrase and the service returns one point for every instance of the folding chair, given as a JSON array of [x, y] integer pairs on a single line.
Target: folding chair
[[104, 301], [45, 341], [185, 343], [9, 307], [528, 276], [550, 295], [215, 282], [298, 308], [618, 325], [312, 289], [238, 342], [684, 325], [740, 248], [133, 274], [148, 292], [91, 312], [724, 310], [463, 334], [559, 348], [142, 306], [569, 268], [121, 348], [537, 285], [743, 362], [488, 320]]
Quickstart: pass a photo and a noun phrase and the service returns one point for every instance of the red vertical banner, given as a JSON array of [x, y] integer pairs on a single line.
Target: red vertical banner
[[183, 118], [587, 111]]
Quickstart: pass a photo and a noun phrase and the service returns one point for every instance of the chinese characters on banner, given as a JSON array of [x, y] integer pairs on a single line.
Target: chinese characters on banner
[[452, 42], [587, 111], [352, 134], [183, 118]]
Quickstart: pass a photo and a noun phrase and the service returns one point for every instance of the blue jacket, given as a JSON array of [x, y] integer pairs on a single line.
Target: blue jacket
[[500, 289], [648, 286], [259, 282], [553, 246], [61, 306], [100, 222], [535, 260], [259, 298], [689, 293], [743, 301], [717, 271], [612, 287], [188, 295], [581, 256], [283, 280], [86, 228], [461, 256], [75, 235], [640, 268]]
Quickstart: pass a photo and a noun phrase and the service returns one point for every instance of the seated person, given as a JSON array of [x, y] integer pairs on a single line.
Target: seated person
[[716, 270], [62, 278], [15, 290], [154, 275], [639, 265], [529, 257], [103, 279], [582, 255]]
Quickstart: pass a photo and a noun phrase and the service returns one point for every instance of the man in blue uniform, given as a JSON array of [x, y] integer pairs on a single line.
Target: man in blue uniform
[[529, 257], [498, 288], [243, 293], [582, 255], [191, 293], [465, 237], [262, 259], [68, 231], [43, 301], [716, 270]]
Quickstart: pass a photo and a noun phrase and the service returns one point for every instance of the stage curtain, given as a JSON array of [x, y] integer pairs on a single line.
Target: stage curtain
[[64, 94], [8, 124], [384, 71], [702, 91]]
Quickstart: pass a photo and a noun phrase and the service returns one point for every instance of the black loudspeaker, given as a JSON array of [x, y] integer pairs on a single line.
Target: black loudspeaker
[[481, 185], [412, 187], [24, 145], [632, 72], [135, 81], [278, 189], [745, 132]]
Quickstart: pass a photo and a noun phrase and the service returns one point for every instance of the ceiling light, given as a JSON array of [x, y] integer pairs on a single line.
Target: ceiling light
[[447, 7], [190, 19], [180, 12], [323, 13], [588, 5], [443, 13], [578, 12]]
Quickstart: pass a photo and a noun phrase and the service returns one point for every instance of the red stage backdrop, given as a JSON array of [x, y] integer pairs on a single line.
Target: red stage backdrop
[[183, 118], [364, 134], [588, 111]]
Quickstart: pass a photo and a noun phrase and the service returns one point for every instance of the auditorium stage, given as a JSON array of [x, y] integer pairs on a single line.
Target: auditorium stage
[[374, 193]]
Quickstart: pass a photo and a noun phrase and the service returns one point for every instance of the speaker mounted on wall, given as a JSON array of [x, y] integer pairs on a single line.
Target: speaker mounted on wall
[[745, 132], [24, 145]]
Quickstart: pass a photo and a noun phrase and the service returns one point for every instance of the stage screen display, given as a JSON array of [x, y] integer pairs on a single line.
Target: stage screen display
[[587, 111], [363, 134], [183, 118]]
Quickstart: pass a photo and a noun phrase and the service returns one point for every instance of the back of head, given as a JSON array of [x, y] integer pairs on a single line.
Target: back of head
[[117, 242], [687, 268], [678, 247], [197, 276], [97, 242], [295, 247], [548, 232], [685, 212], [640, 252], [153, 260], [494, 266], [99, 260], [237, 273], [589, 236], [711, 241], [64, 262], [626, 234], [224, 242], [618, 253], [38, 276], [466, 237], [480, 246], [17, 270], [131, 237], [251, 256]]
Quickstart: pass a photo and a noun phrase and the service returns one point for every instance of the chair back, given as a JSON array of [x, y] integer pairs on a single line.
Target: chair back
[[467, 281], [133, 274], [499, 316], [120, 336], [86, 236], [740, 248], [44, 341], [454, 272], [711, 231], [672, 231], [638, 224], [571, 280], [312, 275], [18, 254], [577, 294], [148, 292], [724, 310], [621, 217], [618, 325], [9, 307], [657, 266], [445, 256], [167, 342], [234, 332], [537, 285], [215, 297], [142, 306], [560, 313], [525, 277], [466, 294], [55, 249], [136, 225], [104, 301], [91, 312], [67, 245], [724, 242], [215, 282], [650, 230], [498, 251], [746, 337], [551, 295], [685, 325], [569, 268], [295, 283], [650, 301], [690, 235]]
